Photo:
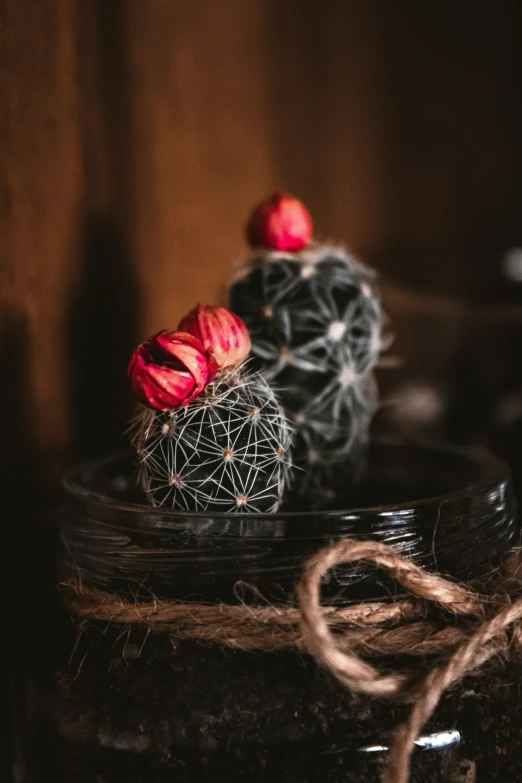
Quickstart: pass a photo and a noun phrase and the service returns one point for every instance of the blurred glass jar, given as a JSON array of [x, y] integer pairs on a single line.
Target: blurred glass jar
[[458, 371], [137, 706]]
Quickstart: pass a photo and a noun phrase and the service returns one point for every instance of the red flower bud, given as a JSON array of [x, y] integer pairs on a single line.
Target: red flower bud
[[223, 334], [169, 370], [280, 223]]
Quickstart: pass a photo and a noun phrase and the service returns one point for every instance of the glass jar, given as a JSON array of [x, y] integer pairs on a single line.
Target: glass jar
[[132, 706], [459, 376]]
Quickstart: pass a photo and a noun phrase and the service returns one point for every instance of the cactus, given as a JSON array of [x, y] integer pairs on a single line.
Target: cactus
[[227, 450], [314, 321]]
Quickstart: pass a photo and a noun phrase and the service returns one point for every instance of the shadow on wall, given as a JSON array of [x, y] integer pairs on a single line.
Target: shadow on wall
[[102, 332], [20, 497], [14, 399], [104, 314]]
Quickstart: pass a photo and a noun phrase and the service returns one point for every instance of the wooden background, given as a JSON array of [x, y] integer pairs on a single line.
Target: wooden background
[[136, 135]]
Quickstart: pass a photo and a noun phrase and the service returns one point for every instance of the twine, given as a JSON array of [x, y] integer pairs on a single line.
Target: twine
[[486, 620]]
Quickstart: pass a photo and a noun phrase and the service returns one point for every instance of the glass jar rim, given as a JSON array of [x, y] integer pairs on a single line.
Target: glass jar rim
[[493, 470]]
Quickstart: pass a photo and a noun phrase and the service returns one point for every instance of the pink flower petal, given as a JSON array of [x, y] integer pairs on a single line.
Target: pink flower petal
[[181, 376], [165, 388], [223, 334], [190, 352]]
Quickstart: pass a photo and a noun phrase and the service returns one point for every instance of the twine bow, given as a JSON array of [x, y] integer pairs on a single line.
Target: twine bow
[[490, 622], [496, 615]]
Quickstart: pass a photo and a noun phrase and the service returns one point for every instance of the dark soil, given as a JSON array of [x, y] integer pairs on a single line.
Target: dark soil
[[133, 712]]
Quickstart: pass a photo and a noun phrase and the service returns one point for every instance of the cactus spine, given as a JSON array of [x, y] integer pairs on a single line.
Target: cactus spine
[[315, 324], [228, 450]]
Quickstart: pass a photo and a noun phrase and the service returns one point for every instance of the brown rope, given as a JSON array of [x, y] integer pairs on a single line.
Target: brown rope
[[486, 622], [495, 614]]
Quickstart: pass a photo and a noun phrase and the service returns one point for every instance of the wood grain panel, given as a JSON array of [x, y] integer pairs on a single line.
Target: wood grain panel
[[41, 183], [202, 131], [135, 137], [328, 124]]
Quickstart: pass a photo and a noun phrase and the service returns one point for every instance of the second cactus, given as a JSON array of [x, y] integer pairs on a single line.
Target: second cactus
[[315, 324]]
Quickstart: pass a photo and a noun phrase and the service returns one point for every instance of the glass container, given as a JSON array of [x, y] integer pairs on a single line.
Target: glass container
[[129, 705], [458, 374]]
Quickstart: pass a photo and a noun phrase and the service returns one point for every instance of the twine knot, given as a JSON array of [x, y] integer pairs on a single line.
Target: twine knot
[[486, 620], [495, 614]]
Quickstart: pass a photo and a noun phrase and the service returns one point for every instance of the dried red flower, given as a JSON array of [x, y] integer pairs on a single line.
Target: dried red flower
[[169, 370], [223, 334], [282, 222]]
